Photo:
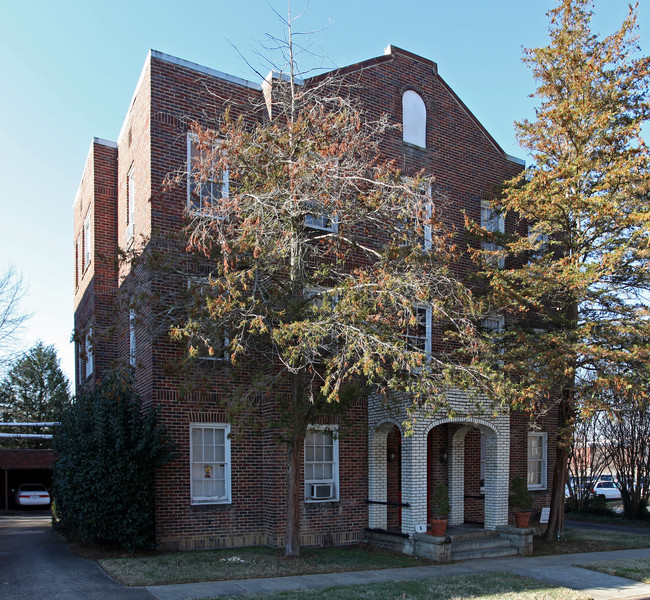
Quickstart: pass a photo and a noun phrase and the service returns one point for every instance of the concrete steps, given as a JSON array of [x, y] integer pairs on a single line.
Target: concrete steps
[[480, 544]]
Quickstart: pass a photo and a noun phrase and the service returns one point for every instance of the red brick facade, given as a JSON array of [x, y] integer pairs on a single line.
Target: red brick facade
[[123, 191]]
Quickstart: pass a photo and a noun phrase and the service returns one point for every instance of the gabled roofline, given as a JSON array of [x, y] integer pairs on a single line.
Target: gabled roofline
[[472, 116], [390, 49], [389, 54], [205, 70]]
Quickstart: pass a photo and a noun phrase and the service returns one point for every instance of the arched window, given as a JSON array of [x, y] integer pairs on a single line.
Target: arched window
[[414, 119]]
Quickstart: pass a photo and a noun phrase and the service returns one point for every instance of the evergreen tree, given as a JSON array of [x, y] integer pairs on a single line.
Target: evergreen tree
[[577, 276], [34, 390]]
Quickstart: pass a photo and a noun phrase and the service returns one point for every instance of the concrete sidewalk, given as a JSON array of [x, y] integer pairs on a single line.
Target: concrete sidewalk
[[562, 569]]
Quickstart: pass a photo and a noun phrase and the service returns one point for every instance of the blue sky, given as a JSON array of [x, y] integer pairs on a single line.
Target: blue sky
[[69, 68]]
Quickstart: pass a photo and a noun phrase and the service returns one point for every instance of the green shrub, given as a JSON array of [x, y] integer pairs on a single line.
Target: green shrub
[[439, 502], [107, 449], [597, 505], [521, 500]]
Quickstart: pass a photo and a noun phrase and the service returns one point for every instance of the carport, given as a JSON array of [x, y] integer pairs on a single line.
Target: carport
[[23, 466]]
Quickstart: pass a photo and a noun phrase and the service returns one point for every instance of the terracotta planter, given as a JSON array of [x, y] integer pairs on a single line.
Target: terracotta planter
[[438, 527], [521, 519]]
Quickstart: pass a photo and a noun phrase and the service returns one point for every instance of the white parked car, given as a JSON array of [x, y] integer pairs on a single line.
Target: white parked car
[[32, 494], [607, 489]]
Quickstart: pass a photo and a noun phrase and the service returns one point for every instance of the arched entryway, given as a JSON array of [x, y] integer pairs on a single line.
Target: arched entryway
[[385, 490], [470, 455]]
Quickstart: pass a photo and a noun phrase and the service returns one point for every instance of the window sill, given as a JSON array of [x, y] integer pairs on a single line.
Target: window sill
[[414, 146], [203, 213], [194, 504], [309, 501]]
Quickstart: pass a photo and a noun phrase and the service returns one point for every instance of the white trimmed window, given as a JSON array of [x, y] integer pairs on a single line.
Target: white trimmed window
[[537, 461], [87, 245], [81, 375], [322, 222], [418, 335], [130, 203], [494, 222], [206, 184], [407, 224], [90, 362], [76, 264], [494, 323], [210, 463], [414, 119], [428, 211], [322, 464], [132, 337], [540, 240]]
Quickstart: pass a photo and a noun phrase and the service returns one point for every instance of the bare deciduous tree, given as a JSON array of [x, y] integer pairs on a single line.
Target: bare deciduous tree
[[12, 316], [589, 457], [627, 440]]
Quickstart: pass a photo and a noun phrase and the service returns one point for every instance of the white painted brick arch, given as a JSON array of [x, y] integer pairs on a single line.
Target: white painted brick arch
[[496, 427]]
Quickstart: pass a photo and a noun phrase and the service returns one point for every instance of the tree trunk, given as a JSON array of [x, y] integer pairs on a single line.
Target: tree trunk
[[295, 446], [563, 454], [292, 533]]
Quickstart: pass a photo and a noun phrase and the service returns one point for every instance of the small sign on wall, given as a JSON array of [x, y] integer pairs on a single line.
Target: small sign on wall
[[421, 528], [546, 512]]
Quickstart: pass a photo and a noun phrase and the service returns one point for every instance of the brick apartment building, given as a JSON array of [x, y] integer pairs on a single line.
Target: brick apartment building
[[377, 477]]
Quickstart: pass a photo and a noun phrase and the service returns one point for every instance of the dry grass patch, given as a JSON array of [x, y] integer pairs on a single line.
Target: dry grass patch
[[590, 540], [637, 569], [247, 563], [492, 586]]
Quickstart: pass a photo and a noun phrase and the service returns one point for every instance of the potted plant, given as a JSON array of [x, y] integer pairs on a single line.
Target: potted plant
[[439, 503], [521, 501]]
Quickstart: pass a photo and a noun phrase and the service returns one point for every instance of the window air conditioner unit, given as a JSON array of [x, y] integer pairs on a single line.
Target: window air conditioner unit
[[321, 491]]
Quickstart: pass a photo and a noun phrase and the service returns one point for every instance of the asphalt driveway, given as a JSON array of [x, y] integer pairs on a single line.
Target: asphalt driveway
[[36, 564]]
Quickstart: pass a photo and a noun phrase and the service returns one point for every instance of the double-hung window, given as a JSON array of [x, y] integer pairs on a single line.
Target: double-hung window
[[206, 183], [132, 337], [87, 242], [130, 203], [540, 241], [495, 325], [418, 334], [413, 226], [90, 362], [322, 222], [537, 461], [427, 229], [210, 463], [493, 221], [322, 464]]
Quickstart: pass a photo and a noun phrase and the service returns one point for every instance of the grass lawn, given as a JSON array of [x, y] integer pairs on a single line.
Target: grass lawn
[[633, 568], [590, 540], [248, 563], [492, 586]]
